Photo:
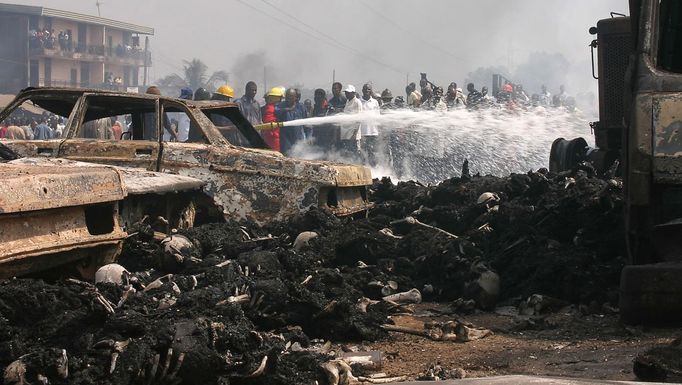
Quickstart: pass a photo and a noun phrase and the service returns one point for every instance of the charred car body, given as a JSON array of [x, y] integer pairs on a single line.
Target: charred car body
[[66, 214], [244, 178]]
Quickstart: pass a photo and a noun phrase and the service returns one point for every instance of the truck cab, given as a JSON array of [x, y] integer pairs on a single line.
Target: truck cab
[[640, 127]]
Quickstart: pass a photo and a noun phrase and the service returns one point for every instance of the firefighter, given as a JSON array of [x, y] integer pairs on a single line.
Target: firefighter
[[274, 96], [224, 92]]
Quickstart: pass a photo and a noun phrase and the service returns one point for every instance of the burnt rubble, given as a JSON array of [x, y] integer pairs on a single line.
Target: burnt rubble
[[235, 303]]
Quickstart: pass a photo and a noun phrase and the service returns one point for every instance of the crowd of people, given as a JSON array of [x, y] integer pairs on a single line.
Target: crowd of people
[[63, 41], [356, 140], [46, 38], [25, 126], [359, 141]]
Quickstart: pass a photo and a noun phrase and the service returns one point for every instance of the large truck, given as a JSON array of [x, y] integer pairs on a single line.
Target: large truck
[[640, 126]]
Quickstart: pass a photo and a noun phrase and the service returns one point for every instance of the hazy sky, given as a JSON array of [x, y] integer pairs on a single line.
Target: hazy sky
[[382, 41]]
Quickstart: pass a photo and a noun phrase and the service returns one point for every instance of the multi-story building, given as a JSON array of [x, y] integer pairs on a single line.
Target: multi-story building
[[47, 47]]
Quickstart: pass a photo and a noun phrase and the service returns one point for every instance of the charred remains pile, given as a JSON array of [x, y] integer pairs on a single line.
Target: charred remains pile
[[236, 303]]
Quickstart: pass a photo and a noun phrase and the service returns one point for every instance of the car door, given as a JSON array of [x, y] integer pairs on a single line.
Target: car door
[[187, 151], [96, 138]]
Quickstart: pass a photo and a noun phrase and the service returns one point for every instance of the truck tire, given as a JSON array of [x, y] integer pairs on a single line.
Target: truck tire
[[565, 154]]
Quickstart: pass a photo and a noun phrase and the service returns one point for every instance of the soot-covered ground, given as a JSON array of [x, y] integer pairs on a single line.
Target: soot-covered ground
[[241, 304]]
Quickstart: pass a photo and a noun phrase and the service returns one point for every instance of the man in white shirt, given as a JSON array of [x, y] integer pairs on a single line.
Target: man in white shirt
[[368, 127], [350, 132]]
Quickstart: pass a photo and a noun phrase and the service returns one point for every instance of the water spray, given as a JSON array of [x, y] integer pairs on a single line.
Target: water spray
[[430, 146]]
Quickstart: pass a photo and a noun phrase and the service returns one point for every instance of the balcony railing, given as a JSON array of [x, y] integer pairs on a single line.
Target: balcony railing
[[96, 85], [71, 50]]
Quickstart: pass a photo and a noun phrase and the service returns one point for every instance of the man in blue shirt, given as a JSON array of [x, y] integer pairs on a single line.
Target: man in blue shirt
[[288, 110], [42, 131]]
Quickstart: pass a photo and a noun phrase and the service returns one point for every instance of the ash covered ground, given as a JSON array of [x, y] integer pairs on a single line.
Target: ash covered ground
[[244, 306]]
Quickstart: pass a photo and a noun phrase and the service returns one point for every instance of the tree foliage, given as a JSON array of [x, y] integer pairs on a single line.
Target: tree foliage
[[195, 75]]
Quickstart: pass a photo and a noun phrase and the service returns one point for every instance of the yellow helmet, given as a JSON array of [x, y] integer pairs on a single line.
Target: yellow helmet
[[225, 91], [276, 91]]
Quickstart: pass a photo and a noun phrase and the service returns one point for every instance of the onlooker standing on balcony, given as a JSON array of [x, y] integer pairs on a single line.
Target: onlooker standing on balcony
[[62, 41]]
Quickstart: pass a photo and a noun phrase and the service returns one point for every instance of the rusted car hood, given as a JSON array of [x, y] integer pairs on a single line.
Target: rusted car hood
[[52, 187], [134, 181]]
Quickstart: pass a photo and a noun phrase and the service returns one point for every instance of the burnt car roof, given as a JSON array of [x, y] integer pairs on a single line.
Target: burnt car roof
[[57, 91]]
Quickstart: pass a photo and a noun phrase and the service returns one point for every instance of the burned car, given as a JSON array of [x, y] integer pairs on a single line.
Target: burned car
[[70, 216], [244, 178]]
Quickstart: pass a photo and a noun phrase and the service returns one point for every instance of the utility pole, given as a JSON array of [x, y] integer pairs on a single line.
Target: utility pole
[[510, 55], [98, 4], [407, 78], [333, 75], [265, 79], [146, 59]]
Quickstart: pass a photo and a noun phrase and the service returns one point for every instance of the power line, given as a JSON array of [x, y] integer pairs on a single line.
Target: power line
[[322, 33], [331, 42], [410, 33]]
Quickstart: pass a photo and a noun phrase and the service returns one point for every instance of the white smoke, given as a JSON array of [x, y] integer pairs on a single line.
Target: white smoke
[[430, 146]]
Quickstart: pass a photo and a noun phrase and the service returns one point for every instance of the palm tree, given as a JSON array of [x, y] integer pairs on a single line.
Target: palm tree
[[195, 73], [195, 77]]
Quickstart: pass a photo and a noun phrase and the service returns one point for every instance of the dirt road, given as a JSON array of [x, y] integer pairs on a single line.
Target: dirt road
[[567, 344]]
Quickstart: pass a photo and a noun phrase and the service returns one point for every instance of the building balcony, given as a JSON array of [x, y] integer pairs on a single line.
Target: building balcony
[[92, 53], [42, 82]]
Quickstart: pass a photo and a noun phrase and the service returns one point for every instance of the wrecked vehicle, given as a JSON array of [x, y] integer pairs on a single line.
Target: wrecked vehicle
[[244, 178], [55, 212], [637, 135]]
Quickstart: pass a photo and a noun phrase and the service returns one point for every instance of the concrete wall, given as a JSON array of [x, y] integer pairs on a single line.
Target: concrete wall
[[96, 74], [61, 71], [59, 25], [116, 37]]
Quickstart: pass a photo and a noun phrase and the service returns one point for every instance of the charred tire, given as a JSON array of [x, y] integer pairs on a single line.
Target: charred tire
[[565, 154]]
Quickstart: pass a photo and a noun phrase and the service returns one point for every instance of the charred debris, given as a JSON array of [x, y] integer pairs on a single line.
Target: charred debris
[[236, 303]]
